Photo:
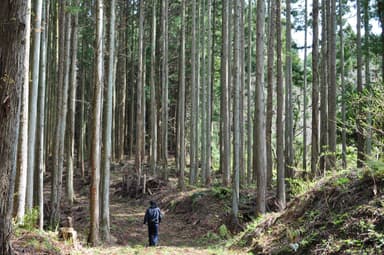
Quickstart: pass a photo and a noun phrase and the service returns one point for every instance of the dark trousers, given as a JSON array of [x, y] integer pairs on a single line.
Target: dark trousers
[[153, 234]]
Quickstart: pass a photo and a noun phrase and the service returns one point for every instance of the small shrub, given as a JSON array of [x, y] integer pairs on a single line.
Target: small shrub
[[223, 232], [29, 221]]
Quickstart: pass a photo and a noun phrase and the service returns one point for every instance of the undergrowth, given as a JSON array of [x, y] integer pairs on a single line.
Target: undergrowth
[[342, 213]]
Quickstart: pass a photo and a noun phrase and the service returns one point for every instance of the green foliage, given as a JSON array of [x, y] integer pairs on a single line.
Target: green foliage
[[30, 220], [221, 193], [339, 219], [293, 234], [299, 186], [377, 166], [342, 181], [224, 232]]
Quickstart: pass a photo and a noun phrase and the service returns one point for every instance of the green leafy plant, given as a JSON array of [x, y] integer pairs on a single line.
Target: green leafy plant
[[30, 220]]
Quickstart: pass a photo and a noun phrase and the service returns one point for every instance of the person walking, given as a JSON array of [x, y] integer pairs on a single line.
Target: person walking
[[153, 218]]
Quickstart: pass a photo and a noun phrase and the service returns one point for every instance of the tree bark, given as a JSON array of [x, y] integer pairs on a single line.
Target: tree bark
[[32, 118], [153, 143], [281, 195], [41, 116], [359, 117], [181, 101], [195, 101], [315, 90], [270, 75], [249, 96], [107, 129], [260, 154], [14, 56], [288, 96], [226, 134], [208, 104], [72, 108], [323, 92], [139, 95], [305, 89], [62, 97], [342, 85], [236, 111], [164, 97], [122, 83], [332, 86], [23, 138], [203, 107], [368, 143], [95, 146]]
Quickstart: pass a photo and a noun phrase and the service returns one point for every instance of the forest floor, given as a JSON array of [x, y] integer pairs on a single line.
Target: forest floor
[[342, 213], [191, 222]]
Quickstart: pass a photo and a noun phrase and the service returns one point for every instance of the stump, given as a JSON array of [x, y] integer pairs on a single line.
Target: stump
[[68, 233]]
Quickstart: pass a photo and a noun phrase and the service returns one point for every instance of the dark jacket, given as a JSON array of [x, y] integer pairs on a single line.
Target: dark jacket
[[152, 215]]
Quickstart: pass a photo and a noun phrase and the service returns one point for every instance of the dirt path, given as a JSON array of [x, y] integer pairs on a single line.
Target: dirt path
[[130, 235]]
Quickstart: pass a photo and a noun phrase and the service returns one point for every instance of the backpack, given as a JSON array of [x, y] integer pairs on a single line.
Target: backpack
[[153, 215]]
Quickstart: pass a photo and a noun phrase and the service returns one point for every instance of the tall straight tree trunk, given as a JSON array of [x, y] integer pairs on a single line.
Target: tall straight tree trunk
[[95, 146], [359, 117], [380, 10], [342, 85], [32, 119], [143, 103], [57, 174], [270, 75], [199, 22], [81, 149], [107, 130], [121, 96], [305, 89], [226, 136], [242, 89], [249, 95], [195, 102], [288, 96], [260, 154], [203, 107], [153, 143], [236, 112], [72, 109], [164, 95], [315, 90], [131, 109], [61, 121], [14, 56], [368, 143], [209, 96], [139, 94], [181, 100], [41, 117], [281, 195], [332, 86], [323, 91], [23, 138]]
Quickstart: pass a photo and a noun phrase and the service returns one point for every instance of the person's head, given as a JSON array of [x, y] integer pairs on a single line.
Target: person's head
[[152, 203]]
